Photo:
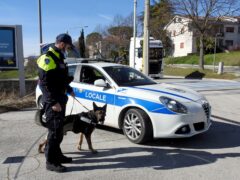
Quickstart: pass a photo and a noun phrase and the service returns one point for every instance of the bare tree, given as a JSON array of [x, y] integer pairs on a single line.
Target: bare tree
[[101, 30], [204, 13]]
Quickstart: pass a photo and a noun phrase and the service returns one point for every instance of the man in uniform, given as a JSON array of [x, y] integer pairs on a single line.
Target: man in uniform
[[54, 83]]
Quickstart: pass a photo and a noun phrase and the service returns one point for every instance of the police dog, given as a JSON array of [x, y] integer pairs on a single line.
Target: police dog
[[83, 123]]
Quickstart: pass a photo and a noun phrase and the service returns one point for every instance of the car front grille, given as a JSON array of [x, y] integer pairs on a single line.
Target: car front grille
[[198, 126], [206, 108]]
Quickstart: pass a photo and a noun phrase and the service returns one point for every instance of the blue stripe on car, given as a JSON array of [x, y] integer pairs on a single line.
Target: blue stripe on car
[[120, 100], [153, 90]]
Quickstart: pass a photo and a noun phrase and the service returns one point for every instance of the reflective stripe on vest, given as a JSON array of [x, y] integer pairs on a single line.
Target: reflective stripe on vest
[[54, 52]]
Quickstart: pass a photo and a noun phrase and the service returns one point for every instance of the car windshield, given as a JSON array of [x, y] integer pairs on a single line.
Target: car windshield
[[126, 76]]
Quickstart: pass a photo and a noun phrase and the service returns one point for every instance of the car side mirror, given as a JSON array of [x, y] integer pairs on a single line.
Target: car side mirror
[[100, 83]]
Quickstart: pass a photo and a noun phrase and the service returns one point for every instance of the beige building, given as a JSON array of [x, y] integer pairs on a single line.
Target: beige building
[[184, 37]]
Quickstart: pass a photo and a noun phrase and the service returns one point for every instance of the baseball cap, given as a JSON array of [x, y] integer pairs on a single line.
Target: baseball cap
[[64, 38]]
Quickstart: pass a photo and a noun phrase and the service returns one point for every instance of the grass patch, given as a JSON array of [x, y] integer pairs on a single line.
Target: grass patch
[[229, 59], [8, 74], [11, 101], [173, 71], [13, 74]]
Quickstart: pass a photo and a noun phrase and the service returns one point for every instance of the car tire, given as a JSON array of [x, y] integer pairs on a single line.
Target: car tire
[[40, 112], [137, 126], [40, 103]]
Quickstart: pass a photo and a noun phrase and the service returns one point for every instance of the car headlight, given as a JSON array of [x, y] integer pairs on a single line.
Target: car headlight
[[173, 105]]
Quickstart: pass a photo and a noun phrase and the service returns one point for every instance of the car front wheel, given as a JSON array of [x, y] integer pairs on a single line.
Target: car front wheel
[[40, 102], [137, 126]]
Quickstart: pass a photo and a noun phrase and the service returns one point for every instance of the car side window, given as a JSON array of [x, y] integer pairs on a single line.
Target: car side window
[[89, 75], [71, 70]]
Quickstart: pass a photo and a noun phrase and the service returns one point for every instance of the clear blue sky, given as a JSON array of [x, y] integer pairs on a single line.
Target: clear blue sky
[[60, 16]]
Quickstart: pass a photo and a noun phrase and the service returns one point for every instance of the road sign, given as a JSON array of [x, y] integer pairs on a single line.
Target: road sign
[[11, 52], [7, 48]]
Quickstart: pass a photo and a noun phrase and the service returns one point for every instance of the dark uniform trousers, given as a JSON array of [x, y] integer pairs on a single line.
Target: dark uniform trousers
[[54, 121]]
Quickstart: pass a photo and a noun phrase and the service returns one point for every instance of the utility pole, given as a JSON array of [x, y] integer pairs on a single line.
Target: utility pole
[[215, 47], [40, 22], [146, 39], [214, 55], [134, 31], [20, 59]]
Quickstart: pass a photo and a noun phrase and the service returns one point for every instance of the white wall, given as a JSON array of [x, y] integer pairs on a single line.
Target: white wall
[[190, 42], [182, 35]]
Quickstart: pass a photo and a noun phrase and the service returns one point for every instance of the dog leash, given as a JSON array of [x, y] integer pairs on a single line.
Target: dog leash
[[79, 103], [84, 119]]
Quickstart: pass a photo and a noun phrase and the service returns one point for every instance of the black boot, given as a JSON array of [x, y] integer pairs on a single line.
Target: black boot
[[64, 159], [55, 167]]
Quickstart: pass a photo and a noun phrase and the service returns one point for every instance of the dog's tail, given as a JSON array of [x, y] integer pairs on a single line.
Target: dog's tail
[[39, 118]]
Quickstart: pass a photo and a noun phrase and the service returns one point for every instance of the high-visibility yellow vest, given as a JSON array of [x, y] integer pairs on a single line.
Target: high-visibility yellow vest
[[46, 62]]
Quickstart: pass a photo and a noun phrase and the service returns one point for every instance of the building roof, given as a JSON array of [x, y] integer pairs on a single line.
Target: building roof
[[223, 19]]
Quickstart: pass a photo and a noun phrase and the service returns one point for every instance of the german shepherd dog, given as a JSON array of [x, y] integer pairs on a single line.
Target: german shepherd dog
[[83, 123]]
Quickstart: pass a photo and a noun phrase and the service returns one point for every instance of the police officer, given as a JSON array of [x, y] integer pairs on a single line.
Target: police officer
[[54, 83]]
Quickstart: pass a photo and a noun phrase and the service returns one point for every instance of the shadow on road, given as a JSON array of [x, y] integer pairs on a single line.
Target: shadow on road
[[140, 157], [155, 154], [220, 135]]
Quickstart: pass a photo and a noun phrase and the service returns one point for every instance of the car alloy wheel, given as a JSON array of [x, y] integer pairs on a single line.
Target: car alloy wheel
[[137, 126], [132, 126]]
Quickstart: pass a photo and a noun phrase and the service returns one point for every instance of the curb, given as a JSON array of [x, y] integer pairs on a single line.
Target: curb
[[211, 79], [4, 109]]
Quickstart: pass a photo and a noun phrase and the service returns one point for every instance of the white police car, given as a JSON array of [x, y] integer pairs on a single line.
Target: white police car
[[136, 104]]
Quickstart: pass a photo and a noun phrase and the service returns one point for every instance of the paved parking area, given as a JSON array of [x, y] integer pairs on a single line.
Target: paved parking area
[[213, 155], [201, 157]]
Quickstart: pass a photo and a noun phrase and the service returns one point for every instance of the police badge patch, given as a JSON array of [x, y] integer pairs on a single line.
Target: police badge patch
[[47, 61]]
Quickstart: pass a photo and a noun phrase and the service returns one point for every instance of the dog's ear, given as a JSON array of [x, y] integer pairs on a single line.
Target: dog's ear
[[105, 107], [94, 106]]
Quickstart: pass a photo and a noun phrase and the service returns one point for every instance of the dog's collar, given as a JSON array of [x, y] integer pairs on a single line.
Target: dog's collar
[[87, 120]]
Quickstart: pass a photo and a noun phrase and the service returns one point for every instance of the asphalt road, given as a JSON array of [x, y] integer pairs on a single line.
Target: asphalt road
[[213, 155]]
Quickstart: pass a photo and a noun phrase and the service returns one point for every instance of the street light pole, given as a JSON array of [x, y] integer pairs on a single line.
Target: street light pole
[[134, 32], [40, 21], [146, 39], [76, 27], [214, 56], [215, 47]]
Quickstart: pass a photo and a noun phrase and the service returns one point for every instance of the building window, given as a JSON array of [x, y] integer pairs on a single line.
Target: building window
[[182, 30], [190, 27], [220, 42], [170, 33], [174, 33], [230, 29], [181, 45], [229, 43]]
